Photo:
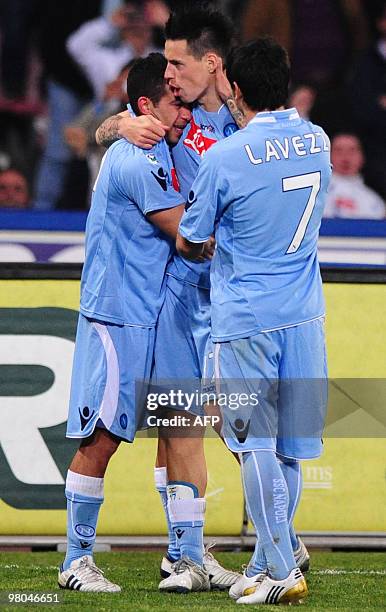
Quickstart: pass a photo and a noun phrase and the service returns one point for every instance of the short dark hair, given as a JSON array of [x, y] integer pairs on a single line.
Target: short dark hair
[[261, 70], [146, 78], [202, 26]]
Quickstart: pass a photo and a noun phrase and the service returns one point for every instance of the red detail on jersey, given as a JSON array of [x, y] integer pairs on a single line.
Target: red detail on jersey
[[197, 141], [175, 181], [345, 203]]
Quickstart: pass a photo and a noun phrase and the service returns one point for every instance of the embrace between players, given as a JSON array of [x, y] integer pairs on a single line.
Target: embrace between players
[[247, 318]]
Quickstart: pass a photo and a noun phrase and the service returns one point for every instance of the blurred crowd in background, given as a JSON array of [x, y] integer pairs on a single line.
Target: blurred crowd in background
[[64, 66]]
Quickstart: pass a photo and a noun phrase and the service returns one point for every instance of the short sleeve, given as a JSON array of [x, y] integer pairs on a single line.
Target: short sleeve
[[206, 198], [145, 181]]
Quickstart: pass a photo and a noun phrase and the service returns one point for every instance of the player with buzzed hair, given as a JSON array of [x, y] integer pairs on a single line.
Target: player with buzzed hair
[[198, 39]]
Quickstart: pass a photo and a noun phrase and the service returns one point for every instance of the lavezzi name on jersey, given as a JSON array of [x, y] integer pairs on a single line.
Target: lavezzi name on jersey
[[280, 149]]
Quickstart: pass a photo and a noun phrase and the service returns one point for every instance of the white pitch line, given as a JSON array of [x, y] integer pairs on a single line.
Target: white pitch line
[[321, 572], [342, 572], [215, 492]]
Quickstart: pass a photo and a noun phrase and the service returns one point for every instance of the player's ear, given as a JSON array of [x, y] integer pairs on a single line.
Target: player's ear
[[237, 92], [212, 62], [145, 105]]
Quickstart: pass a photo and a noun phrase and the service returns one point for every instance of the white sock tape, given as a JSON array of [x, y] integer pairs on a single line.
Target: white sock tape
[[84, 485], [160, 478], [187, 510]]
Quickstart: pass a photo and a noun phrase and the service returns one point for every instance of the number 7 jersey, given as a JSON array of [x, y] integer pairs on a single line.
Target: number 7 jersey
[[263, 191]]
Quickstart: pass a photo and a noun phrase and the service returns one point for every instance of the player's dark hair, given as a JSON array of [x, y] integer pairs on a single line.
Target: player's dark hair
[[146, 78], [261, 70], [202, 26]]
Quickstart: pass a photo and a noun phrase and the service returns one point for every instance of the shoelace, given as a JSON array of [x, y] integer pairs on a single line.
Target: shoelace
[[88, 570], [211, 544], [213, 560], [181, 565]]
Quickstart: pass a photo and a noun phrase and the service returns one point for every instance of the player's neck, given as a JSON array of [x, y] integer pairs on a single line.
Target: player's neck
[[210, 101]]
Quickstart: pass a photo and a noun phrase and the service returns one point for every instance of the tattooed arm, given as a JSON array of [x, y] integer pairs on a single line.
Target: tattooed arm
[[108, 132], [144, 131], [224, 90], [236, 113]]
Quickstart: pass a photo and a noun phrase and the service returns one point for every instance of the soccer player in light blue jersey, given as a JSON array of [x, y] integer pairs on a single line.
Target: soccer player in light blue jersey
[[262, 191], [197, 42], [130, 235]]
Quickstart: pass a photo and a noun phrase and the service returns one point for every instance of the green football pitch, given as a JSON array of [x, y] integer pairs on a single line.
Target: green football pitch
[[336, 581]]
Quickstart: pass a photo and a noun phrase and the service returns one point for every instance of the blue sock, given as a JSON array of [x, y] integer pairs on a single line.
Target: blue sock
[[292, 472], [258, 562], [266, 491], [160, 479], [84, 499], [187, 511]]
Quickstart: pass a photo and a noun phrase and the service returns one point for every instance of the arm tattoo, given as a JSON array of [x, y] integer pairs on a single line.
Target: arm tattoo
[[108, 132], [235, 112]]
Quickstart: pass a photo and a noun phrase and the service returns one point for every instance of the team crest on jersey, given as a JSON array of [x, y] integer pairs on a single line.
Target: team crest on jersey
[[152, 158], [230, 129], [196, 140]]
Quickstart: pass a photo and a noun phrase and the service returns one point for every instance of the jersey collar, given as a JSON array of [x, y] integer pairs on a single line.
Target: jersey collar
[[130, 109], [289, 114]]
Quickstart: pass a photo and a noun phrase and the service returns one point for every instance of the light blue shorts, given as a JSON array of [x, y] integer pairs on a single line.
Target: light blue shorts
[[182, 333], [110, 376], [272, 390]]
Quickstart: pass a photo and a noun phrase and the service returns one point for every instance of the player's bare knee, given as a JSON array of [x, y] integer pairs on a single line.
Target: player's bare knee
[[100, 445]]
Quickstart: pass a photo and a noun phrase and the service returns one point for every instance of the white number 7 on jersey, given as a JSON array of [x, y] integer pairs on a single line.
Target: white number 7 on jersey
[[301, 182]]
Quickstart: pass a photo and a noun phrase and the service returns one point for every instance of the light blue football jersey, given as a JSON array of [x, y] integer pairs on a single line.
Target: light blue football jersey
[[204, 130], [263, 192], [126, 255]]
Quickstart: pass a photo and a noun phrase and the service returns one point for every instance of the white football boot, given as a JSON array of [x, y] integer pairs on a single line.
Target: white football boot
[[186, 577], [246, 585], [220, 578], [292, 590], [166, 567], [84, 575]]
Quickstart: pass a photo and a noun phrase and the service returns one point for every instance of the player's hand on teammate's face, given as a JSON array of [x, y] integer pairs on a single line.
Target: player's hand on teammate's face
[[144, 131], [223, 86], [209, 248]]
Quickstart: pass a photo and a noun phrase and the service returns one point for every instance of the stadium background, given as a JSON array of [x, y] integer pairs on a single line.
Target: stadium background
[[37, 326], [40, 253]]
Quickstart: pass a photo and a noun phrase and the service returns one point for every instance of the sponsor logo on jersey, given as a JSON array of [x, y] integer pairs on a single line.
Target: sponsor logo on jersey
[[196, 140], [208, 128]]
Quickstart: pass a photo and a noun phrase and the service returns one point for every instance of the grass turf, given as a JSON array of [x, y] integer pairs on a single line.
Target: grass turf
[[336, 581]]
